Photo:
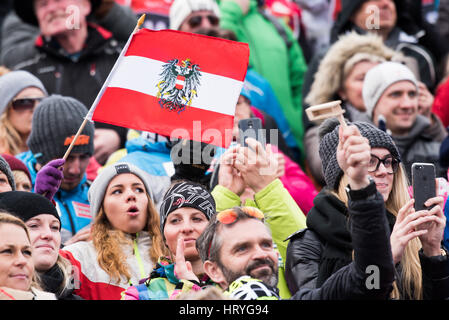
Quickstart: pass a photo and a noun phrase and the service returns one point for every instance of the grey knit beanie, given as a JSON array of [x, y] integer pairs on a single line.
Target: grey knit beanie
[[98, 188], [379, 78], [13, 82], [56, 121], [328, 134], [6, 169], [181, 9]]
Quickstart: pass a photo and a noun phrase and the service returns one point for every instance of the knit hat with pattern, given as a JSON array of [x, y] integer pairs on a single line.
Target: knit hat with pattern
[[328, 133]]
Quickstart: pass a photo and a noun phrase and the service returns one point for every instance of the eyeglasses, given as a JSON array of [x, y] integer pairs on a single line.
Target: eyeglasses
[[229, 216], [24, 104], [390, 163], [195, 21]]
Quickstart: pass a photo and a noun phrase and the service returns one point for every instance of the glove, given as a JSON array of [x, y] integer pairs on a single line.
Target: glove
[[49, 178]]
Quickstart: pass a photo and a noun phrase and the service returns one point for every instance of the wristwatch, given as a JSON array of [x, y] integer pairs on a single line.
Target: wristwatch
[[364, 193]]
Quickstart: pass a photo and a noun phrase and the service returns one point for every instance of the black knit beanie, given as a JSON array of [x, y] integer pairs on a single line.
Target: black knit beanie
[[27, 205], [186, 194], [55, 123], [328, 133]]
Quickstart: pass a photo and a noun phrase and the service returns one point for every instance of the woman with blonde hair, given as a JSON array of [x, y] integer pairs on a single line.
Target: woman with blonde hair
[[315, 253], [17, 277], [20, 93], [54, 273], [125, 238]]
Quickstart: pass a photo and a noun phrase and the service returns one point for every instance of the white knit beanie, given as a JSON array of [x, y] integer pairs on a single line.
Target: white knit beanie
[[379, 78], [180, 9]]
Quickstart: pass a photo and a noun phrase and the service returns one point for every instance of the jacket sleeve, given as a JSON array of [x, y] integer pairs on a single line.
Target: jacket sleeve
[[282, 214], [371, 274], [435, 276], [225, 198], [303, 258]]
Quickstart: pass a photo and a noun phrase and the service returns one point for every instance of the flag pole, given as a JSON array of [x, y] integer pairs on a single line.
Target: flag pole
[[89, 115]]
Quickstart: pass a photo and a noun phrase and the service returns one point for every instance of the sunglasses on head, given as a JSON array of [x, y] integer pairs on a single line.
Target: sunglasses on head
[[23, 104], [229, 216], [195, 21]]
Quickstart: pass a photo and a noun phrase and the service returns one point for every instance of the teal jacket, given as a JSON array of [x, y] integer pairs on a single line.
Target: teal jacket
[[282, 215], [284, 67]]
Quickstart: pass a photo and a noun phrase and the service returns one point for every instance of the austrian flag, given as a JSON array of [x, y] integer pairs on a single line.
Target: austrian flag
[[166, 81]]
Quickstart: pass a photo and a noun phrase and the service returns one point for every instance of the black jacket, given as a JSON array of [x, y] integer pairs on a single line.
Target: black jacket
[[315, 254], [369, 233], [79, 76]]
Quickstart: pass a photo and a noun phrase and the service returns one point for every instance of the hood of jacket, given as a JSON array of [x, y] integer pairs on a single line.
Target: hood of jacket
[[329, 77]]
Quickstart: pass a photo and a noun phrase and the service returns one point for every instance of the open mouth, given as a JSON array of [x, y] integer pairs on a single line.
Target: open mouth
[[133, 211]]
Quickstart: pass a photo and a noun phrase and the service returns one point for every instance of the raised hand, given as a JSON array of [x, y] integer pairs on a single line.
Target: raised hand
[[228, 176], [48, 178], [353, 156], [257, 165], [431, 240], [183, 268]]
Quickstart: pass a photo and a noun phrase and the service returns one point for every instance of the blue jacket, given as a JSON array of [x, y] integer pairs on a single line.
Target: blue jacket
[[73, 206], [263, 98]]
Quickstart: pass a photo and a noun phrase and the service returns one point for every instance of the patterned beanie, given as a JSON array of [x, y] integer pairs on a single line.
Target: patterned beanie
[[187, 194], [328, 133], [55, 123], [181, 9]]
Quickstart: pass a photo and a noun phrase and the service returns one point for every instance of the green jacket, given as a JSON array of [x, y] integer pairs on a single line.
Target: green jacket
[[283, 67], [282, 215]]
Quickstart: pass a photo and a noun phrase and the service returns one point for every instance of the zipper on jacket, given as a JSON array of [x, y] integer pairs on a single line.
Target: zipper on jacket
[[138, 258]]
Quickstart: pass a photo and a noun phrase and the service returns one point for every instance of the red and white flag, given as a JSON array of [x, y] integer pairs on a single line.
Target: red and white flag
[[169, 82]]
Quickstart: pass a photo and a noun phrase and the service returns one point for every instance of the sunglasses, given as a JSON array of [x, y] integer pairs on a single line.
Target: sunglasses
[[230, 216], [390, 163], [24, 104], [195, 21]]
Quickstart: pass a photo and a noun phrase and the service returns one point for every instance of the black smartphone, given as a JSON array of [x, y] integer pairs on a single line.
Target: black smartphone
[[251, 128], [423, 180]]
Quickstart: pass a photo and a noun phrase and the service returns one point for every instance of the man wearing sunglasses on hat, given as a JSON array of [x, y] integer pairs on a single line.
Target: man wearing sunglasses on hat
[[238, 253]]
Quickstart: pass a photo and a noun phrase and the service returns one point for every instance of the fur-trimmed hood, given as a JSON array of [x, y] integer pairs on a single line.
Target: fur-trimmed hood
[[328, 78]]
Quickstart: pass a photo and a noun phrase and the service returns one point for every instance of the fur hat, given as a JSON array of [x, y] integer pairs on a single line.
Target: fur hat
[[181, 9], [329, 77], [328, 135]]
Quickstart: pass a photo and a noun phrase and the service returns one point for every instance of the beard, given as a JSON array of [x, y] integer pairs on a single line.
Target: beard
[[267, 275]]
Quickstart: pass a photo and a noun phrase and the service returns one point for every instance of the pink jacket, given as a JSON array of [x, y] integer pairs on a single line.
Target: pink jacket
[[298, 184]]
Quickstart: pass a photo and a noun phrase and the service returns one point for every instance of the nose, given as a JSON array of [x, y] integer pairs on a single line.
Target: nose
[[187, 227], [20, 260], [74, 167], [46, 233]]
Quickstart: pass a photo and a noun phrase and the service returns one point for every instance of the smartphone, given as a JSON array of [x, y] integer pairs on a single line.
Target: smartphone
[[251, 128], [424, 185]]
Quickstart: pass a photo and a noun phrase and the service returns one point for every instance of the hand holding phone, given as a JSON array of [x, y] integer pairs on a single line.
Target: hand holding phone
[[251, 128], [424, 184]]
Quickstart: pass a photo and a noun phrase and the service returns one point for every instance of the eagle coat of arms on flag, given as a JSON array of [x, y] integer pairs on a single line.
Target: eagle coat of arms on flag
[[179, 84]]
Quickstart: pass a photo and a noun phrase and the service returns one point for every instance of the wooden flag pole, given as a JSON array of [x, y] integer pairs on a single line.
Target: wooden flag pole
[[138, 25]]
